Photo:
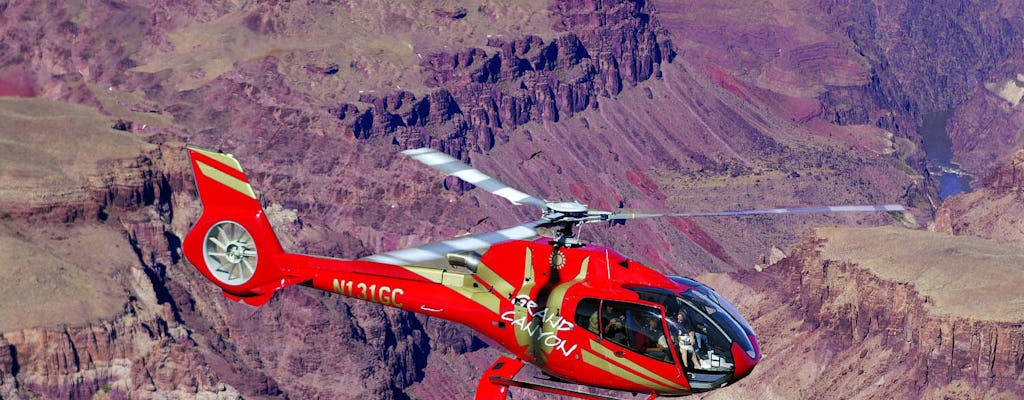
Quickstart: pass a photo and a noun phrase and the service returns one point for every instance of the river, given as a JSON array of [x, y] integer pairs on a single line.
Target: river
[[938, 147]]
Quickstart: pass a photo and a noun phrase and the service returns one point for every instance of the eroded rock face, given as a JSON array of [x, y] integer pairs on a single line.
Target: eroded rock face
[[871, 64], [128, 357], [985, 131], [98, 320], [937, 68], [832, 328], [993, 210], [485, 96]]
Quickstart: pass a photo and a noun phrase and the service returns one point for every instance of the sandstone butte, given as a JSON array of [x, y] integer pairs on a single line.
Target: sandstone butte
[[885, 312], [957, 276]]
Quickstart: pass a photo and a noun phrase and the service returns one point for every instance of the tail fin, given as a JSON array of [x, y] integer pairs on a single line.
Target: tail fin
[[232, 243]]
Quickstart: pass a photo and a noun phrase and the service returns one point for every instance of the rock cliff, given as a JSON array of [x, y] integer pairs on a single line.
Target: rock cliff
[[871, 64], [993, 210], [485, 95], [986, 130], [87, 230], [885, 313], [939, 57]]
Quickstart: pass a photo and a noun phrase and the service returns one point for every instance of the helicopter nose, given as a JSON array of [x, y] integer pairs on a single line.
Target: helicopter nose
[[744, 361]]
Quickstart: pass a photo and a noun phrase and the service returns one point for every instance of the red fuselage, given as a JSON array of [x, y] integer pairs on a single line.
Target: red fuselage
[[532, 308]]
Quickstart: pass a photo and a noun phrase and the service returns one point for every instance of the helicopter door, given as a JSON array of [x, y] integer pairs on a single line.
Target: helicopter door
[[634, 335]]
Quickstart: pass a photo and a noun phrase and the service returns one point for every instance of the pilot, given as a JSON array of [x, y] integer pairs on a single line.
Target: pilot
[[687, 339]]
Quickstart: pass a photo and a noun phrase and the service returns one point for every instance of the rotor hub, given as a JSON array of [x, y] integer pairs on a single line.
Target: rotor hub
[[235, 253], [568, 207], [230, 253], [566, 212]]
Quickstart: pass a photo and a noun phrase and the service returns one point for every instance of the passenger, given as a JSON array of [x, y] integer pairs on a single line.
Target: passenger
[[647, 344], [687, 340], [592, 324], [700, 342], [614, 325]]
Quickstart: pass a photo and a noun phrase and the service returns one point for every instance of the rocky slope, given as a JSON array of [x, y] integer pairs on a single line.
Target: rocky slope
[[84, 311], [872, 64], [938, 57], [885, 313], [987, 130], [993, 210], [616, 104]]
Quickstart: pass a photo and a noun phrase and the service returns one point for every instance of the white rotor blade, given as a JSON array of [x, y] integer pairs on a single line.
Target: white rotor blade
[[802, 210], [428, 254], [451, 166]]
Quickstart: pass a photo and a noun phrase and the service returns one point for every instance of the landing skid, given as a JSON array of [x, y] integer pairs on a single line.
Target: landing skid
[[495, 383]]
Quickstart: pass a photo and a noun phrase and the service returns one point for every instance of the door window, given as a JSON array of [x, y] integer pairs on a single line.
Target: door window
[[587, 315], [636, 327]]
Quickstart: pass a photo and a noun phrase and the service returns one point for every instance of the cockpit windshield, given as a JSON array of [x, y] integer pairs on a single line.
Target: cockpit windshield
[[720, 301], [708, 306]]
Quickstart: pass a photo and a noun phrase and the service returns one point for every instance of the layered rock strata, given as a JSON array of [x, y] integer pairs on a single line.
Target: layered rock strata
[[885, 313]]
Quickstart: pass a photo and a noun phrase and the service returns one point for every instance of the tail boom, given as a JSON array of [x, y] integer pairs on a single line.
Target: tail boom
[[233, 245]]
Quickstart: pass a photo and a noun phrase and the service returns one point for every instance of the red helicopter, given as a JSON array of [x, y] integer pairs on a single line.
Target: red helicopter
[[579, 312]]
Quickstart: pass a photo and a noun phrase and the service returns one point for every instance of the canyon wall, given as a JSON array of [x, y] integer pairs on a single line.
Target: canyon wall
[[993, 210], [615, 104], [884, 313]]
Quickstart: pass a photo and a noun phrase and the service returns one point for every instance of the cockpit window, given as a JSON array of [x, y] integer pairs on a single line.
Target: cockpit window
[[728, 307], [646, 332]]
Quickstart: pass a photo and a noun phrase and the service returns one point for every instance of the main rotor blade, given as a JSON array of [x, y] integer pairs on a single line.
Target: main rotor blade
[[803, 210], [431, 253], [451, 166]]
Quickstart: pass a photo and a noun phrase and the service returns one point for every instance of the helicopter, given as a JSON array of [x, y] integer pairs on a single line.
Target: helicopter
[[581, 313]]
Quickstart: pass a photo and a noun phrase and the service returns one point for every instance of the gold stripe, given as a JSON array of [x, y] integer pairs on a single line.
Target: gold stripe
[[431, 274], [227, 180], [523, 337], [225, 159], [486, 299], [492, 278], [646, 373], [557, 295], [451, 280], [600, 362]]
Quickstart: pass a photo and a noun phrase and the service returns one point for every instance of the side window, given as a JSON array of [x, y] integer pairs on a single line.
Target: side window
[[636, 327], [587, 315], [615, 319]]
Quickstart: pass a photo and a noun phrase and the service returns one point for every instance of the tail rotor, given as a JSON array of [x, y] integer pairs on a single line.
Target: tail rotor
[[232, 243], [230, 253]]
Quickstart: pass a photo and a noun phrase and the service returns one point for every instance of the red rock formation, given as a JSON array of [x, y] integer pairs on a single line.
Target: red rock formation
[[994, 210], [831, 328], [131, 356], [485, 96], [988, 129]]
